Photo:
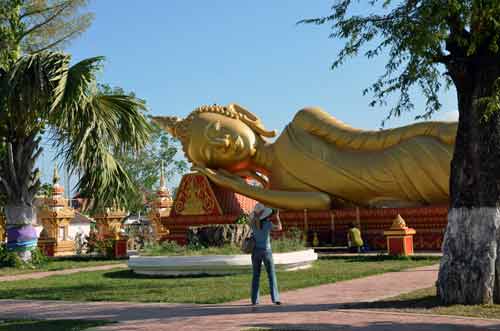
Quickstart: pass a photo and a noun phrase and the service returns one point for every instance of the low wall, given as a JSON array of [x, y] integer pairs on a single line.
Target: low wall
[[216, 264], [331, 226]]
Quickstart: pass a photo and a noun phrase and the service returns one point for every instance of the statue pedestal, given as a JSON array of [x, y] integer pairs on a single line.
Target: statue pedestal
[[199, 202], [399, 238], [120, 246]]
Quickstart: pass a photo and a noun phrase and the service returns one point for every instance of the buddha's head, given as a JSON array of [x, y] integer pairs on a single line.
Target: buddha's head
[[218, 136]]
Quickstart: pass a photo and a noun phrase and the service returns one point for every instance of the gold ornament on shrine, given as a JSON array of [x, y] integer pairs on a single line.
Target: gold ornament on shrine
[[160, 208]]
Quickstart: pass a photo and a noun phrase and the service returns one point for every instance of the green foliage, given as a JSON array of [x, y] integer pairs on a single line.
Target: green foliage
[[45, 190], [86, 127], [32, 26], [40, 90], [12, 260], [9, 259], [291, 241], [420, 39], [103, 248], [288, 243], [143, 166], [106, 248], [38, 259], [491, 104], [242, 219], [167, 247]]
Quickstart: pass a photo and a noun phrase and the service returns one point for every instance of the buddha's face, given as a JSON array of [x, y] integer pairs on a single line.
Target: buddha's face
[[218, 141]]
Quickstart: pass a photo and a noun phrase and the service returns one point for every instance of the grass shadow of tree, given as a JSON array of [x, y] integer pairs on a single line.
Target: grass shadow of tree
[[129, 274]]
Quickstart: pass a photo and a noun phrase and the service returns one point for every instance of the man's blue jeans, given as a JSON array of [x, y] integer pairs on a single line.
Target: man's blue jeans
[[266, 256]]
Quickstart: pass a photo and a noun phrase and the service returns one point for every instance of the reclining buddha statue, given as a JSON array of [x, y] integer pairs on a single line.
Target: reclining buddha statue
[[317, 162]]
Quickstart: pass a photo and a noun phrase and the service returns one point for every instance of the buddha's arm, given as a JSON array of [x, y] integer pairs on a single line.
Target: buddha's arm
[[279, 199], [324, 125]]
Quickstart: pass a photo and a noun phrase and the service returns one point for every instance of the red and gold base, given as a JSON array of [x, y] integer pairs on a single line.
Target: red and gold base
[[201, 202]]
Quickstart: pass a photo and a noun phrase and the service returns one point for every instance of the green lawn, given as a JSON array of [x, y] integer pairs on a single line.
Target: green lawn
[[425, 301], [124, 285], [61, 264], [52, 325]]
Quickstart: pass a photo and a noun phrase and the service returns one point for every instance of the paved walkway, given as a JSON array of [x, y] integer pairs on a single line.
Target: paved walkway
[[311, 309], [43, 274]]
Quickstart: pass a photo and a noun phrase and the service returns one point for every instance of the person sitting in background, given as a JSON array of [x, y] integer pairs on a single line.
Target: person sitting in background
[[262, 220], [354, 240]]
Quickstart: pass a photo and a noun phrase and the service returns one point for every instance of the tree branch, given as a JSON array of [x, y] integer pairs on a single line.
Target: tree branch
[[58, 41], [41, 11], [48, 20], [457, 30]]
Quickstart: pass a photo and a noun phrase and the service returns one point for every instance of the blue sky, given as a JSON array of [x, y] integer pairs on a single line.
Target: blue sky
[[180, 54]]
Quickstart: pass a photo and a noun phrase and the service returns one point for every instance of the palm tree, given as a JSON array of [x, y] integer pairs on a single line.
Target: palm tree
[[41, 93]]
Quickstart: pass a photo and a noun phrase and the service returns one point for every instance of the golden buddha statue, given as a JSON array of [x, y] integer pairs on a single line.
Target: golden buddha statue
[[317, 162]]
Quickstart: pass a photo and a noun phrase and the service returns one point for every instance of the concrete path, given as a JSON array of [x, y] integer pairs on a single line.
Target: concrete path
[[43, 274], [310, 309]]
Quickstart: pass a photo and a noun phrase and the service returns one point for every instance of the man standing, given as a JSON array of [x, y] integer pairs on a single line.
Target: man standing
[[262, 220]]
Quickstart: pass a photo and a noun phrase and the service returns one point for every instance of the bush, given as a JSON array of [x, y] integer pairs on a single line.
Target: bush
[[9, 259], [38, 259], [165, 248], [242, 219], [106, 248], [292, 240], [288, 243], [12, 260]]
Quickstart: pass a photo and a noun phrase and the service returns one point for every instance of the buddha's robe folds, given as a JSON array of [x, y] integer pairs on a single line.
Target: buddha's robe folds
[[405, 166]]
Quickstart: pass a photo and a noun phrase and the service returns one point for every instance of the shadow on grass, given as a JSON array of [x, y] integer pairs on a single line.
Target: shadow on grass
[[380, 258], [425, 302], [129, 274], [85, 258], [51, 325], [381, 325], [50, 293]]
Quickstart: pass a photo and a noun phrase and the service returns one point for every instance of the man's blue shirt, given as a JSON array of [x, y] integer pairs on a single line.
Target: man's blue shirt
[[263, 235]]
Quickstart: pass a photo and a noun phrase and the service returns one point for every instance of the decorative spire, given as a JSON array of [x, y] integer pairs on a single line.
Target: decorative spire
[[55, 177], [56, 200], [162, 176], [398, 223], [163, 198]]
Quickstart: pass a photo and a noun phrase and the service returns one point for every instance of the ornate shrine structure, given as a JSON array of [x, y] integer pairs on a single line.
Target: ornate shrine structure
[[55, 217], [160, 208]]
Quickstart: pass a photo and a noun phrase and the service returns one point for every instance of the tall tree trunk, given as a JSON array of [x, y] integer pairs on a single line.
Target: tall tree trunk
[[470, 267], [20, 182]]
